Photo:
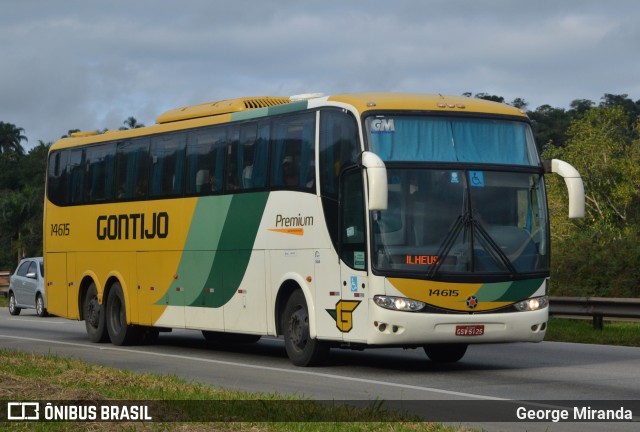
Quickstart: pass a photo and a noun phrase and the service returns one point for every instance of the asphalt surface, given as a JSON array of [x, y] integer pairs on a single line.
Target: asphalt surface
[[557, 375]]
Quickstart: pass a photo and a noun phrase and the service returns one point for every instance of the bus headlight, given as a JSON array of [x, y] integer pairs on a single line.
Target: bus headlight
[[398, 303], [532, 304]]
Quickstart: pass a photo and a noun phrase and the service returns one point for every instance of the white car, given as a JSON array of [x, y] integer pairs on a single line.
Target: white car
[[26, 287]]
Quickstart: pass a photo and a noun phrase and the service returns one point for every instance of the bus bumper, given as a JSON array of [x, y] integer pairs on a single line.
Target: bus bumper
[[388, 327]]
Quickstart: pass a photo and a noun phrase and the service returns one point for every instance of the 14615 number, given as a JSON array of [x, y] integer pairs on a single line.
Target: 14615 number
[[60, 230]]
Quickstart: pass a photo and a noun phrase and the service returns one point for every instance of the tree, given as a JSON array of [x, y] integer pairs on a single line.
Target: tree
[[70, 133], [22, 179], [520, 103], [131, 123], [600, 148], [489, 97], [11, 137], [549, 126], [581, 106], [599, 256], [21, 220]]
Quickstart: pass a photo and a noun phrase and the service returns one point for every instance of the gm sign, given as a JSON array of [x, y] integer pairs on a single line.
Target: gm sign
[[380, 125]]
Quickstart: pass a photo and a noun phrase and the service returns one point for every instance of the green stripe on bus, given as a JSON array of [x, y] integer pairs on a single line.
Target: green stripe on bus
[[274, 110], [217, 252], [508, 291]]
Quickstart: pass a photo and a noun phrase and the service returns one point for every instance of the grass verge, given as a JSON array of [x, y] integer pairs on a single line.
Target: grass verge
[[25, 376], [582, 331]]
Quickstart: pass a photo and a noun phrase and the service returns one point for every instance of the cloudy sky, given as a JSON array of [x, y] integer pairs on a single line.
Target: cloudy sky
[[90, 64]]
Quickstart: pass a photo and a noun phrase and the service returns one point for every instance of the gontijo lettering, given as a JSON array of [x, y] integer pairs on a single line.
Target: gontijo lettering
[[132, 226]]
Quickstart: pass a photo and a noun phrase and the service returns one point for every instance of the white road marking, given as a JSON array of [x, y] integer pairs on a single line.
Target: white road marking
[[266, 368]]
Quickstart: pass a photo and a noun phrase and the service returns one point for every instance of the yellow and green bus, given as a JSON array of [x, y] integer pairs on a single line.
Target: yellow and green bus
[[350, 221]]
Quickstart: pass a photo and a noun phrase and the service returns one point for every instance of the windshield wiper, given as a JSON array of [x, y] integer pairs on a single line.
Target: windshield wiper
[[491, 246], [477, 232], [460, 223]]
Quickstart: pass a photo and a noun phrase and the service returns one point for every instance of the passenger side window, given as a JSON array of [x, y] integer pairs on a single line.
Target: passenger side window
[[339, 148], [205, 160], [100, 163], [248, 156], [167, 164], [133, 169], [57, 177], [76, 176], [293, 162]]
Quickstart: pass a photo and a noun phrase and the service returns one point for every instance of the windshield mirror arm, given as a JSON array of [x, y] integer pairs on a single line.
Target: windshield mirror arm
[[574, 184]]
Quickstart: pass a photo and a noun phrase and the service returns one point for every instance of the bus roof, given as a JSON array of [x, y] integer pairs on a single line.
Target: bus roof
[[252, 107], [424, 102]]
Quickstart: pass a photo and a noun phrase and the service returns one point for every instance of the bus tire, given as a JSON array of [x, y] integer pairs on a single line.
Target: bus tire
[[119, 331], [445, 353], [301, 349], [93, 313]]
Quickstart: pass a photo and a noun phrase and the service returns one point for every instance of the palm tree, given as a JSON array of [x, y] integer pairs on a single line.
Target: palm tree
[[17, 208], [10, 138], [131, 123]]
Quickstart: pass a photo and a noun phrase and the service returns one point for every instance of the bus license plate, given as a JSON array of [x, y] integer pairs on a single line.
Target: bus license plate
[[470, 330]]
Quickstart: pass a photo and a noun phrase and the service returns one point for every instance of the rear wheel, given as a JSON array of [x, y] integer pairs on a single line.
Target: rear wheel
[[13, 309], [445, 353], [93, 313], [119, 331], [40, 309], [301, 348]]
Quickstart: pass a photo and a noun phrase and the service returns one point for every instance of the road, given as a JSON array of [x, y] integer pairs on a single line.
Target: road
[[548, 372]]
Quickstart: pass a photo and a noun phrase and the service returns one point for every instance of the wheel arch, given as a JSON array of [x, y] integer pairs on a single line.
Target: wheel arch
[[287, 287]]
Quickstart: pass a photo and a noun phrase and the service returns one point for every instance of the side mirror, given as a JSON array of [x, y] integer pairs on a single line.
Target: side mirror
[[572, 179], [377, 180]]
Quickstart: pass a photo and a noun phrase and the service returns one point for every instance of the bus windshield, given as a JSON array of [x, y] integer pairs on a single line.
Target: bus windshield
[[444, 223], [451, 139]]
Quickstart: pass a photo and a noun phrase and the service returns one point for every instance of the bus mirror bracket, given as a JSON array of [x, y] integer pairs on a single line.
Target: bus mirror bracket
[[376, 179], [574, 184]]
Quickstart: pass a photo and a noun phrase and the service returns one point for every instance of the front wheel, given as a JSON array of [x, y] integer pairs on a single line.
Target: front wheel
[[445, 353], [119, 331], [40, 309], [301, 348], [13, 309]]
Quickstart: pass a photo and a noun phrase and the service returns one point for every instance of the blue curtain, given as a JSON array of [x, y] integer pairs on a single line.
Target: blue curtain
[[452, 140]]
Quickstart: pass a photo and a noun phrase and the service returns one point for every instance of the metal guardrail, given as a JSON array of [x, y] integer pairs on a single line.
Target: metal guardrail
[[4, 282], [596, 307]]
